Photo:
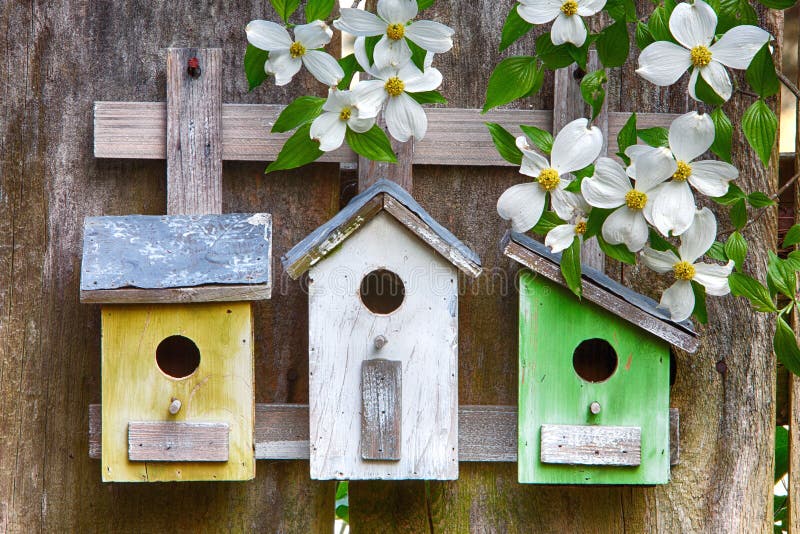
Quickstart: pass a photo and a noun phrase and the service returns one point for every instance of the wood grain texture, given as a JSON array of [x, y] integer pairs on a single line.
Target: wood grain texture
[[181, 295], [194, 132], [168, 441], [591, 445], [422, 334], [381, 409]]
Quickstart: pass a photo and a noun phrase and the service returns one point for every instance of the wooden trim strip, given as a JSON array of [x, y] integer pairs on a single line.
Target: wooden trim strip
[[177, 441], [485, 433], [591, 445], [180, 295]]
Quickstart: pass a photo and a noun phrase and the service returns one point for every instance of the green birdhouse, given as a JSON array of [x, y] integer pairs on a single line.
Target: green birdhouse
[[594, 376]]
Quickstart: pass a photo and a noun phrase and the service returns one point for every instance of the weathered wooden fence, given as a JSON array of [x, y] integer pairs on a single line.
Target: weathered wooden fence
[[60, 58]]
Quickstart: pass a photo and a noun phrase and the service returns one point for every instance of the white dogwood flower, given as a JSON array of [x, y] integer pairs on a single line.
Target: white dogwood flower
[[610, 187], [405, 118], [393, 23], [574, 148], [562, 236], [678, 299], [568, 26], [286, 56], [340, 112], [690, 136], [693, 26]]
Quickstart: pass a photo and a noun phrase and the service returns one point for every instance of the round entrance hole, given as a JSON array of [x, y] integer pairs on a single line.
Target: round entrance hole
[[177, 356], [382, 291], [595, 360]]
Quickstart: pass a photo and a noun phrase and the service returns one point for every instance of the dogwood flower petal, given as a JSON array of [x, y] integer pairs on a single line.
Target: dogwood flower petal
[[431, 36], [337, 100], [678, 299], [737, 47], [626, 226], [360, 124], [663, 63], [714, 277], [672, 207], [693, 84], [283, 66], [717, 77], [359, 22], [693, 24], [397, 11], [532, 163], [564, 203], [691, 135], [405, 118], [523, 205], [323, 67], [370, 95], [314, 34], [539, 11], [699, 237], [329, 130], [609, 185], [268, 35], [587, 8], [658, 260], [390, 52], [568, 29], [576, 146], [417, 82], [711, 177], [652, 167], [560, 237]]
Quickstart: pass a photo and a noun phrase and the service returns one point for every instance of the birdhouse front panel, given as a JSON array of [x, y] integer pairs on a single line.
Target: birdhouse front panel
[[177, 391], [593, 392], [383, 367]]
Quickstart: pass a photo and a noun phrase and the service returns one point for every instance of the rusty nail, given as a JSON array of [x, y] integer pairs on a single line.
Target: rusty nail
[[194, 67]]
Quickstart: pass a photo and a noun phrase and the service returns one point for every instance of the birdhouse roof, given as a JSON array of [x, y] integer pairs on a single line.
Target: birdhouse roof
[[383, 196], [177, 258], [598, 288]]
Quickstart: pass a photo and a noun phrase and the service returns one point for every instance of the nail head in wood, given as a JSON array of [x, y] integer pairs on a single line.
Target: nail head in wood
[[380, 342], [193, 67], [174, 406], [594, 408]]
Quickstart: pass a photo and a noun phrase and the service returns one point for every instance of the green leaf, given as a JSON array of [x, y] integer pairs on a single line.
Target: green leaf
[[659, 243], [792, 236], [571, 266], [781, 452], [343, 513], [761, 74], [717, 252], [734, 13], [554, 57], [541, 138], [285, 8], [369, 47], [547, 222], [700, 313], [318, 9], [736, 249], [760, 125], [643, 36], [723, 135], [350, 66], [581, 55], [613, 45], [594, 223], [658, 24], [738, 214], [618, 252], [372, 144], [743, 285], [342, 489], [424, 4], [513, 78], [785, 345], [706, 93], [627, 137], [733, 195], [297, 151], [757, 199], [514, 28], [621, 10], [585, 172], [254, 59], [780, 276], [657, 136], [417, 54], [505, 143], [793, 260], [299, 112], [778, 4], [593, 90], [428, 97]]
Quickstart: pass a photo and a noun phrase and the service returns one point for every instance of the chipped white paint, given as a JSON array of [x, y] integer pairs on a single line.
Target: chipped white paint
[[591, 445], [422, 334]]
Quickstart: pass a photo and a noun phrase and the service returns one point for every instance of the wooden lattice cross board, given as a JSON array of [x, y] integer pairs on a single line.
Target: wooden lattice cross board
[[195, 133]]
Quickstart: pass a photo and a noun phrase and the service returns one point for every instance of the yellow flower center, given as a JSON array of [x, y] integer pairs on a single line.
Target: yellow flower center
[[580, 228], [394, 86], [635, 200], [570, 7], [701, 56], [395, 32], [297, 50], [549, 179], [344, 115], [683, 172], [683, 270]]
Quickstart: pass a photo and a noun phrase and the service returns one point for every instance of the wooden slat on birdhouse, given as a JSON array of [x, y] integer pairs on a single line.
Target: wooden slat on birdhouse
[[381, 409], [591, 445], [174, 441]]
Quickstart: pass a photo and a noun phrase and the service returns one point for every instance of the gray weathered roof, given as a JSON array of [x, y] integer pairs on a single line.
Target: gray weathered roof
[[605, 292], [388, 196], [165, 252]]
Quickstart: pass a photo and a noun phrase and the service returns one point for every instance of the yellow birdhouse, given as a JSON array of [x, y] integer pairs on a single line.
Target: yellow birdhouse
[[177, 341]]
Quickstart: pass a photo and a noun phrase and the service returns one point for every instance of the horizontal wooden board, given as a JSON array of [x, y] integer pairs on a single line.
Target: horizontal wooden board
[[591, 445], [178, 295], [455, 136], [177, 441], [485, 433]]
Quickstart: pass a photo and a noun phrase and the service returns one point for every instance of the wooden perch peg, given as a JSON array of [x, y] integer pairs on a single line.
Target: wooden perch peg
[[174, 406]]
